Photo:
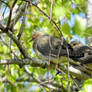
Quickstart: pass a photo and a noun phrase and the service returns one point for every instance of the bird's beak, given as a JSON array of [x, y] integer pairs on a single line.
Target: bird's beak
[[31, 40]]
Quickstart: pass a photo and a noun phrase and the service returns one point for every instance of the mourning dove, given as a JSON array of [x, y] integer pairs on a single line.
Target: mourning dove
[[81, 49], [77, 48], [85, 53], [54, 49], [76, 44], [50, 48]]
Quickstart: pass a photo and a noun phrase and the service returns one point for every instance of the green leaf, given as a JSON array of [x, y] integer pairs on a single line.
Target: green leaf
[[59, 11], [80, 26], [65, 29], [87, 86]]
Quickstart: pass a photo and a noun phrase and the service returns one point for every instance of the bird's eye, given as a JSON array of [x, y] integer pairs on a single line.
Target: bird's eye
[[74, 44]]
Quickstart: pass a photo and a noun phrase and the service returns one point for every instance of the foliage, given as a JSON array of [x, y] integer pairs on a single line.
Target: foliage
[[69, 15]]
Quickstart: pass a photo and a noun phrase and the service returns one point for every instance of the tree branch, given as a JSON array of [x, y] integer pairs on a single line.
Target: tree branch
[[29, 59], [43, 84], [5, 3], [23, 22], [18, 43], [17, 15], [39, 63], [10, 14]]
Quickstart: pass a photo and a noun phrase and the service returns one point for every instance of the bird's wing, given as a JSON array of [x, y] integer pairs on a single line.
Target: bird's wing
[[51, 46], [85, 54]]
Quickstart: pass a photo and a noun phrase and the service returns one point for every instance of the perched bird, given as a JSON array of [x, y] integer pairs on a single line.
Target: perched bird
[[77, 47], [80, 49], [76, 44], [85, 56], [54, 49], [85, 53], [49, 47]]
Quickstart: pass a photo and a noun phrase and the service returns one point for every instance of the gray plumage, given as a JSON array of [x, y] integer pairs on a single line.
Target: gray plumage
[[52, 48]]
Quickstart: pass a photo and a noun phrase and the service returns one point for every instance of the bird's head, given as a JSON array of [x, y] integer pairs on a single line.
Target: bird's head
[[36, 35], [75, 44]]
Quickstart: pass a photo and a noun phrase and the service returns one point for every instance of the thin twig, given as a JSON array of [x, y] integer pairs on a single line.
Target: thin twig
[[74, 82], [58, 29], [6, 80], [10, 14], [68, 69], [23, 21], [20, 11], [39, 81], [5, 3], [4, 12], [4, 42]]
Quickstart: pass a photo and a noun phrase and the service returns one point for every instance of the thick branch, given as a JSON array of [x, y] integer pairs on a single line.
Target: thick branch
[[38, 63], [18, 43], [32, 61]]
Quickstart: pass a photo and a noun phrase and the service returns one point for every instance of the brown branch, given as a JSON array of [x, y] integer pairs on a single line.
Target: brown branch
[[10, 14], [39, 63], [40, 82], [58, 29], [43, 81], [18, 14], [23, 22], [5, 3], [18, 43], [28, 61], [51, 82]]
